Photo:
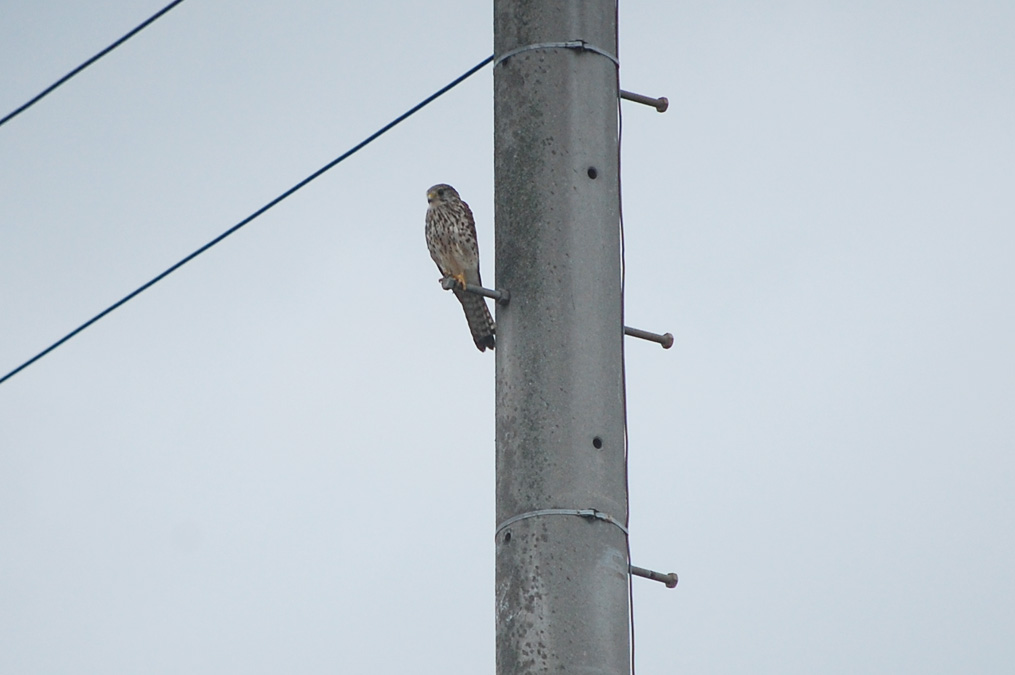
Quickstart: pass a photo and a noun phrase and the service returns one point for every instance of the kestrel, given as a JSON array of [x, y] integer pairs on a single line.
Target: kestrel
[[451, 238]]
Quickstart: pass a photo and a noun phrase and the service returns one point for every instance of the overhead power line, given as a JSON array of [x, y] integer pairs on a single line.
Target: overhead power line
[[48, 90], [288, 193]]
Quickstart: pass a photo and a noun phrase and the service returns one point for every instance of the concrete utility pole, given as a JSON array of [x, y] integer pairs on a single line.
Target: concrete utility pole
[[562, 565]]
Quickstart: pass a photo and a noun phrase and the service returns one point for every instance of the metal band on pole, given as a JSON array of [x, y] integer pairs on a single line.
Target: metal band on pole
[[584, 513], [580, 45]]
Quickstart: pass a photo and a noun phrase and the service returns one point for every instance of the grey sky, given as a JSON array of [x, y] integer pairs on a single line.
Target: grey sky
[[280, 459]]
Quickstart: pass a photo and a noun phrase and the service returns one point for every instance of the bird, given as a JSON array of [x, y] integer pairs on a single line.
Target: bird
[[451, 238]]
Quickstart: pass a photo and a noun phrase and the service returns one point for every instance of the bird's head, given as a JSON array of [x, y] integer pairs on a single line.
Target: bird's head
[[440, 194]]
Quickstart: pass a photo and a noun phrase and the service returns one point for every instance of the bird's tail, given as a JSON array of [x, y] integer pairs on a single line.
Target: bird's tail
[[480, 322]]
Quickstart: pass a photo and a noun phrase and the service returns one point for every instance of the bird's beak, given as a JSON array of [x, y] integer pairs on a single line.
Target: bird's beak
[[429, 197]]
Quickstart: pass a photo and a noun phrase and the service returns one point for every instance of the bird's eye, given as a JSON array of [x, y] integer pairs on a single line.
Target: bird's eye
[[440, 193]]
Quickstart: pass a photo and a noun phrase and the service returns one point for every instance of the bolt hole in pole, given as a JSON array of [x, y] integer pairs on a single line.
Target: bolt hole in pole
[[507, 538], [593, 173], [597, 443]]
